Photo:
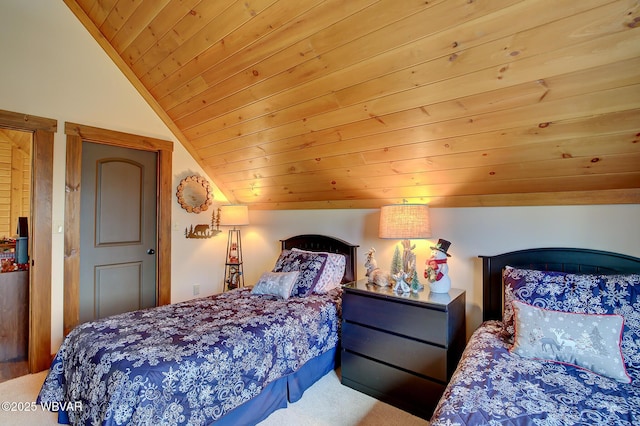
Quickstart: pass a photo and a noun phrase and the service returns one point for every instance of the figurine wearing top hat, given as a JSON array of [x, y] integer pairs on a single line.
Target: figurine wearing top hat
[[436, 270]]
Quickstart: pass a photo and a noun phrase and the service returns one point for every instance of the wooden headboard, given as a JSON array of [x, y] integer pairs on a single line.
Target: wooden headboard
[[571, 260], [314, 242]]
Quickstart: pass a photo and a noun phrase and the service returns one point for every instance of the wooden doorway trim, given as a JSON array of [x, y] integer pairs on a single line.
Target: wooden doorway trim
[[76, 134], [43, 130]]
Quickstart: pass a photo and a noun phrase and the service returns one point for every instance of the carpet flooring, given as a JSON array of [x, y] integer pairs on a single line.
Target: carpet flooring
[[326, 403]]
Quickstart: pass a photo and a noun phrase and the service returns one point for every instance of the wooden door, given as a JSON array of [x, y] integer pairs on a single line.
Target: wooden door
[[118, 230], [42, 130]]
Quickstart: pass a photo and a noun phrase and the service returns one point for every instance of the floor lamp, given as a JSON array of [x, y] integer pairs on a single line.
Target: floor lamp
[[234, 215]]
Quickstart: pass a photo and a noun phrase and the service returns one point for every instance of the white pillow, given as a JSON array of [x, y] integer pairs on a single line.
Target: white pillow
[[590, 341], [333, 271], [279, 284]]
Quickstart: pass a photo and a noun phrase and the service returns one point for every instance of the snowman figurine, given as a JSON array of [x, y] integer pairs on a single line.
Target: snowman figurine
[[436, 269]]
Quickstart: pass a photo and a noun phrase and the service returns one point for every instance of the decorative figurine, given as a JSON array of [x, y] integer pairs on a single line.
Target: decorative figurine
[[404, 277], [401, 284], [374, 274], [436, 271], [409, 267], [408, 256], [396, 262], [233, 278], [233, 253], [416, 286]]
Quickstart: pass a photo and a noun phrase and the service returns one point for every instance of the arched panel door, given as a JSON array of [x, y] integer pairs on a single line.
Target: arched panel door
[[118, 231]]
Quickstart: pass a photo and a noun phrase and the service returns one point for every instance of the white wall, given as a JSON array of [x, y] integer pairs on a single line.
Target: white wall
[[80, 84], [472, 232]]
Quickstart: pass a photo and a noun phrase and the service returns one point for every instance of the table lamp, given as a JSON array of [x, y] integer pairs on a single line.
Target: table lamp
[[405, 222]]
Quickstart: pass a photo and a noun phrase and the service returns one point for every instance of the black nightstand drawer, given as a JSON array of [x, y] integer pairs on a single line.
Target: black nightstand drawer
[[401, 348], [404, 390], [413, 355], [429, 325]]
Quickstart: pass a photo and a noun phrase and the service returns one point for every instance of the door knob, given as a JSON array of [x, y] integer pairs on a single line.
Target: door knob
[[151, 251]]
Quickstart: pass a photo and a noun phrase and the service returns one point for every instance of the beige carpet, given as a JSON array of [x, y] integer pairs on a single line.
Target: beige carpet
[[326, 403]]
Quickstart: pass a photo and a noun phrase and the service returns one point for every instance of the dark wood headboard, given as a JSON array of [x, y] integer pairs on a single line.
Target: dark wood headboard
[[314, 242], [571, 260]]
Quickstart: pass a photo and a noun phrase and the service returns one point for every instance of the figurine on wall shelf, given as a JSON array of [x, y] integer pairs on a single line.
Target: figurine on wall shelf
[[374, 274], [233, 278], [233, 253], [437, 270]]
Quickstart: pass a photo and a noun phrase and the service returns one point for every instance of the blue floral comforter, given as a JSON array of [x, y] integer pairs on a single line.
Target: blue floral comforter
[[187, 363], [493, 387]]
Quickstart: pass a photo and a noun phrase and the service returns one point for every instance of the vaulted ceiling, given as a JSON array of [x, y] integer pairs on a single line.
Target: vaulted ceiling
[[358, 103]]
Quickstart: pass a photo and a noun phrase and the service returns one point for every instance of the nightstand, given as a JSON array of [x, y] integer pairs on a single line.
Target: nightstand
[[401, 349]]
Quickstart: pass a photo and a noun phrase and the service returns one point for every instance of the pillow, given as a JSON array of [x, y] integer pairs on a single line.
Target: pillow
[[546, 289], [615, 294], [279, 284], [333, 272], [309, 264], [589, 341]]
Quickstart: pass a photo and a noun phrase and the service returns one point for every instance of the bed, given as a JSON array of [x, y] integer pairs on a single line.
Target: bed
[[228, 359], [559, 345]]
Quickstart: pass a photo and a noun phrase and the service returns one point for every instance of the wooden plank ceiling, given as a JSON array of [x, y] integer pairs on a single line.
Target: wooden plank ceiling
[[358, 103]]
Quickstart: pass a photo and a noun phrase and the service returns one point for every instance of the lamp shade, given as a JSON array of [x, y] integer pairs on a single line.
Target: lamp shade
[[404, 221], [234, 215]]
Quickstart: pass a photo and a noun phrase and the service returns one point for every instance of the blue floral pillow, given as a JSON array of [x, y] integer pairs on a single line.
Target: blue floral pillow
[[332, 274], [615, 294], [538, 288], [309, 264], [590, 341]]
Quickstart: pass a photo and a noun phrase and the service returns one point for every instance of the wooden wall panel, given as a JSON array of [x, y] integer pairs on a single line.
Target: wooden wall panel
[[5, 189], [15, 179], [294, 104]]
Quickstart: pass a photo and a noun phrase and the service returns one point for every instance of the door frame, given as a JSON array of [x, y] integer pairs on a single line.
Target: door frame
[[76, 134], [43, 130]]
